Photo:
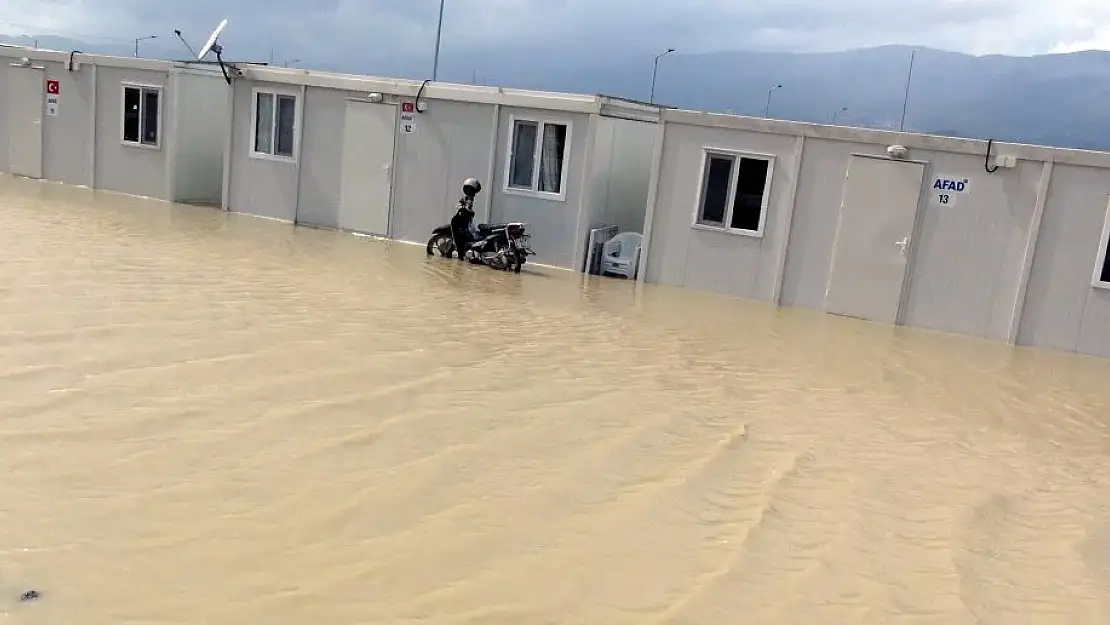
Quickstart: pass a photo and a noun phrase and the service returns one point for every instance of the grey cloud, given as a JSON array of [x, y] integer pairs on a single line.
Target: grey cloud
[[380, 28]]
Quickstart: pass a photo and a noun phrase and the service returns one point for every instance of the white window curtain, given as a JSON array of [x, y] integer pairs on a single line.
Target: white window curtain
[[551, 158]]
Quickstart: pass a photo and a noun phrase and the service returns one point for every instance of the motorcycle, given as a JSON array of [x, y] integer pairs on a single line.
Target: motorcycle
[[498, 246]]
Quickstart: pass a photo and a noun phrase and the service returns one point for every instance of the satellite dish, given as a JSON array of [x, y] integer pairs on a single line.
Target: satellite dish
[[211, 45]]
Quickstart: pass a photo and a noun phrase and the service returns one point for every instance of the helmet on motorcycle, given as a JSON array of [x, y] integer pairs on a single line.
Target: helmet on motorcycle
[[471, 187]]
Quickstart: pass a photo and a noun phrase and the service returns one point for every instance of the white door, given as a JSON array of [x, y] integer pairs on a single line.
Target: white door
[[26, 96], [877, 216], [367, 167]]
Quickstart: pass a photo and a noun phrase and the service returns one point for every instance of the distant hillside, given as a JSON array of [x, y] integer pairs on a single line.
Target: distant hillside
[[1051, 99]]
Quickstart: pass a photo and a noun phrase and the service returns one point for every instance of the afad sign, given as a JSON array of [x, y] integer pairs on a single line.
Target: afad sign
[[950, 185]]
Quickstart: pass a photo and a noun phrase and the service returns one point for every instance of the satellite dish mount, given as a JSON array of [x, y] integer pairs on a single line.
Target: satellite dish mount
[[213, 46]]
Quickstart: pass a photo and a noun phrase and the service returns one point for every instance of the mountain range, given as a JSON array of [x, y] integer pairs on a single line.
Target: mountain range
[[1056, 99]]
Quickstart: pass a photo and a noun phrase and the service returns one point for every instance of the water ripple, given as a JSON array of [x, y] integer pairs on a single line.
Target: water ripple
[[208, 417]]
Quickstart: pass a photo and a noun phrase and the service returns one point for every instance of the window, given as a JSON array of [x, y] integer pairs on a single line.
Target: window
[[1104, 274], [1101, 277], [275, 123], [734, 192], [537, 157], [141, 115]]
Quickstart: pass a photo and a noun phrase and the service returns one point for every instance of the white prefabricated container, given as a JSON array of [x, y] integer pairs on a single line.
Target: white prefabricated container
[[137, 126], [387, 157], [891, 227]]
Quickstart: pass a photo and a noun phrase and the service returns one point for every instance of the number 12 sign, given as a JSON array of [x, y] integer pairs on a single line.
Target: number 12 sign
[[408, 118], [53, 95]]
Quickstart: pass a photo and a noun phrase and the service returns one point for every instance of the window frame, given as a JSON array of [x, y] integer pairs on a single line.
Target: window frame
[[298, 111], [699, 199], [142, 88], [1103, 248], [537, 150]]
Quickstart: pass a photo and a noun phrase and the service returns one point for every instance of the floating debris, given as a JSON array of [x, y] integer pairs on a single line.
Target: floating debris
[[30, 595]]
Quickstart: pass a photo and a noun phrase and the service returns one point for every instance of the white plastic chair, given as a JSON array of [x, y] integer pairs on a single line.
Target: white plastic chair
[[621, 255]]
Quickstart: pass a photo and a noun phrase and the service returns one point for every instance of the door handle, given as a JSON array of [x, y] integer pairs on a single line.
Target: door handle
[[902, 245]]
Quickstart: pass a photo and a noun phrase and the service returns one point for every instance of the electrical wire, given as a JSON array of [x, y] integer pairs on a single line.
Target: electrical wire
[[32, 30], [987, 158]]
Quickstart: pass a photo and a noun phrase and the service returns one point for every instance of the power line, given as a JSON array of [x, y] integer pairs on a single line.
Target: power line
[[30, 29]]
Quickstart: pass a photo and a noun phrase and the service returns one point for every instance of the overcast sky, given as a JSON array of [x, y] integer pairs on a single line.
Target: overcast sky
[[407, 27]]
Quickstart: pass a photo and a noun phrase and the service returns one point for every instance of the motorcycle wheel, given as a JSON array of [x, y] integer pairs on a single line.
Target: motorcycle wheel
[[442, 243], [516, 260]]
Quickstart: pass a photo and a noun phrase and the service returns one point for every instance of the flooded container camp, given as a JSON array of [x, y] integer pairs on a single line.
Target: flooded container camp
[[993, 240], [206, 416], [209, 417]]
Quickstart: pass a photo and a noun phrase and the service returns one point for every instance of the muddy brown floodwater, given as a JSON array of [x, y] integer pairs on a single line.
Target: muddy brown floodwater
[[213, 418]]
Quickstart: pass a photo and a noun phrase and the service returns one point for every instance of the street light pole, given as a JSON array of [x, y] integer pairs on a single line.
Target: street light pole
[[837, 113], [767, 109], [655, 72], [439, 34], [138, 39]]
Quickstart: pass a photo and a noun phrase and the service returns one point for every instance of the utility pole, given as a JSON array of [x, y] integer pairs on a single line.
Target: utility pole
[[439, 34], [906, 100]]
